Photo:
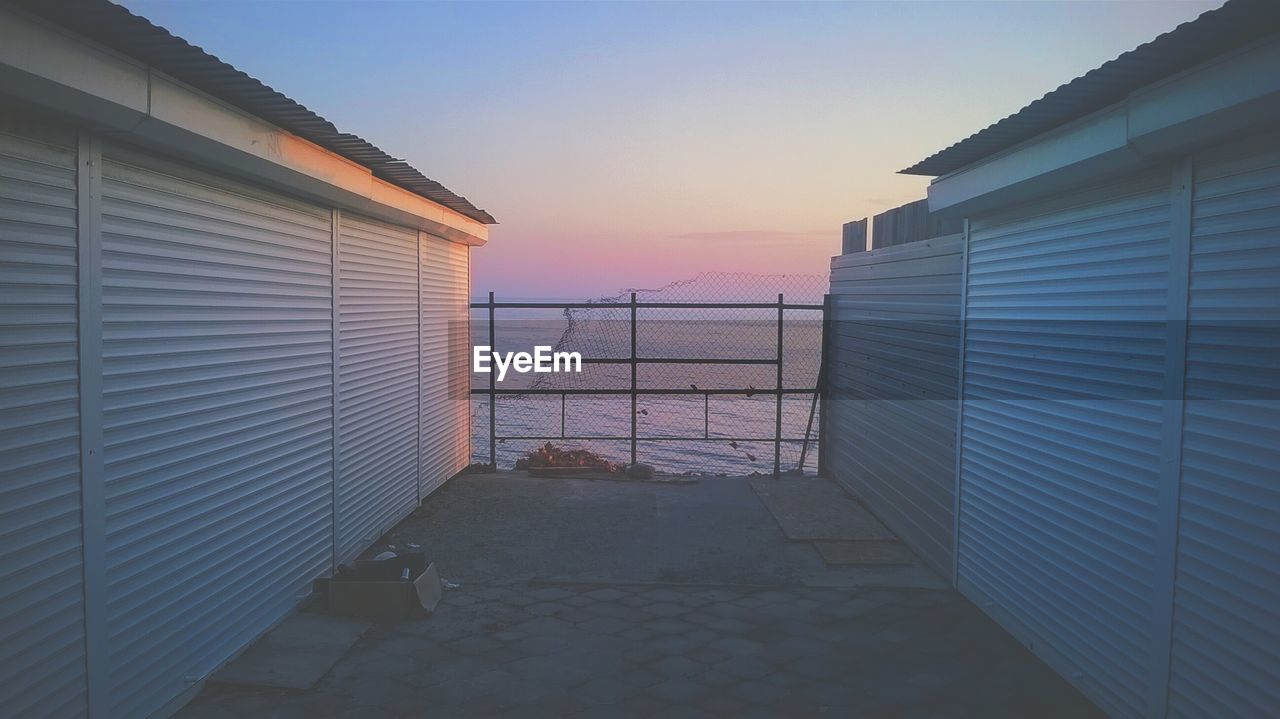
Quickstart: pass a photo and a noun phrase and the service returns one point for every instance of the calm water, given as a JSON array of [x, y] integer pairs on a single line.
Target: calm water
[[670, 422]]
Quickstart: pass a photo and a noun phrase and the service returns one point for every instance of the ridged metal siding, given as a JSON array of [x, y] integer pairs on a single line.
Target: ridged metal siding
[[1064, 357], [1226, 638], [893, 368], [42, 649], [377, 380], [218, 419], [445, 291]]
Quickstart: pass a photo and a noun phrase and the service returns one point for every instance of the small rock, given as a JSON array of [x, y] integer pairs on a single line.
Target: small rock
[[640, 470]]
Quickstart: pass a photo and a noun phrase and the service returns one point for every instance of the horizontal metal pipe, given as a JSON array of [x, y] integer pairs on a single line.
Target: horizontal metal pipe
[[644, 306], [624, 391], [679, 360], [627, 438]]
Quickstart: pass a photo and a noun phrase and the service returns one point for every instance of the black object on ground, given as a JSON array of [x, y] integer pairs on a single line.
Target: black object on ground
[[396, 588]]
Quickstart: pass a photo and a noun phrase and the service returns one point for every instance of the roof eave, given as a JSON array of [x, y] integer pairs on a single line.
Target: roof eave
[[1235, 24], [115, 27]]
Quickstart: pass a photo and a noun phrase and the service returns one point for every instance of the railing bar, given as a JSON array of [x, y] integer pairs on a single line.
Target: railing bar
[[646, 306], [706, 416], [676, 360], [634, 396], [647, 391], [822, 382], [777, 445], [709, 360], [544, 305], [626, 438]]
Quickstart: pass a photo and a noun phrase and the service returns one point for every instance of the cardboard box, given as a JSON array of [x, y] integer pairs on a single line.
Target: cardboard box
[[378, 590]]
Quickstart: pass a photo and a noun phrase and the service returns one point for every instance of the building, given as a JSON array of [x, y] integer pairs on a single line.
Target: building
[[226, 356], [1114, 497]]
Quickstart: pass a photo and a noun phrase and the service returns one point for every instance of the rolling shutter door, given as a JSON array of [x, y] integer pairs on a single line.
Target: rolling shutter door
[[1226, 641], [218, 418], [1064, 354], [42, 662], [445, 353], [377, 380]]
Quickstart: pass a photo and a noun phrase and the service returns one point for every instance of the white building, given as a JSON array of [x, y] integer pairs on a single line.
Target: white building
[[232, 354], [1118, 489]]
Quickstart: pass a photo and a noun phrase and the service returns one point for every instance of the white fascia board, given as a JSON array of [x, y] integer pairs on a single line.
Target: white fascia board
[[1089, 147], [126, 100], [40, 60], [1225, 97], [1228, 96]]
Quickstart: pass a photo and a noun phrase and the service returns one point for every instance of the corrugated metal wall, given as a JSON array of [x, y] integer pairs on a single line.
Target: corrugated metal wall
[[1062, 427], [445, 287], [377, 380], [218, 419], [893, 365], [42, 645], [1226, 638]]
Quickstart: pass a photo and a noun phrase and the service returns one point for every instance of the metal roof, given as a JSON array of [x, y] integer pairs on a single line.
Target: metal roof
[[1233, 25], [129, 34]]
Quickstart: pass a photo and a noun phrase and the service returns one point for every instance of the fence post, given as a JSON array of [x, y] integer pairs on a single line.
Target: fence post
[[824, 396], [493, 386], [706, 416], [633, 379], [777, 424]]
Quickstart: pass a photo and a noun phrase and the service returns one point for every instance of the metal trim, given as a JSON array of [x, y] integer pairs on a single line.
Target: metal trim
[[335, 231], [955, 501], [92, 465], [466, 345], [417, 475], [1170, 490]]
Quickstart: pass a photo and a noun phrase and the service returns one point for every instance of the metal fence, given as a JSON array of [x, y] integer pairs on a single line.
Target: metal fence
[[635, 358]]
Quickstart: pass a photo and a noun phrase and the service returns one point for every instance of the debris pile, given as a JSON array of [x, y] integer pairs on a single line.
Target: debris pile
[[549, 455]]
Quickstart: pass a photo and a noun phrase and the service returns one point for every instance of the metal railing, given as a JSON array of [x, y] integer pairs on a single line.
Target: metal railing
[[635, 391]]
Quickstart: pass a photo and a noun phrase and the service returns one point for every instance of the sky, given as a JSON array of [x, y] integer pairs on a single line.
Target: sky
[[635, 144]]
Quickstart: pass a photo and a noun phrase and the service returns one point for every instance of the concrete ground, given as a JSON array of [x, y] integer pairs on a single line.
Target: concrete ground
[[598, 598]]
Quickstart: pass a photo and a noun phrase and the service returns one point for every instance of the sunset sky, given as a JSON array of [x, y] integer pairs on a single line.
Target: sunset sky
[[635, 144]]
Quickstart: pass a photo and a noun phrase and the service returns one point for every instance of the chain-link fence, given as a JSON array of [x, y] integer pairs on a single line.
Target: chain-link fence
[[683, 377]]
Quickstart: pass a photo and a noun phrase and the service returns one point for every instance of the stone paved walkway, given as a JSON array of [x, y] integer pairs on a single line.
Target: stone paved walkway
[[678, 651], [598, 599]]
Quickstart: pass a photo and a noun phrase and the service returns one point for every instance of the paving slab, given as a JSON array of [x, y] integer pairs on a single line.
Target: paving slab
[[815, 509], [506, 527], [895, 653], [597, 599], [865, 553], [296, 654]]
